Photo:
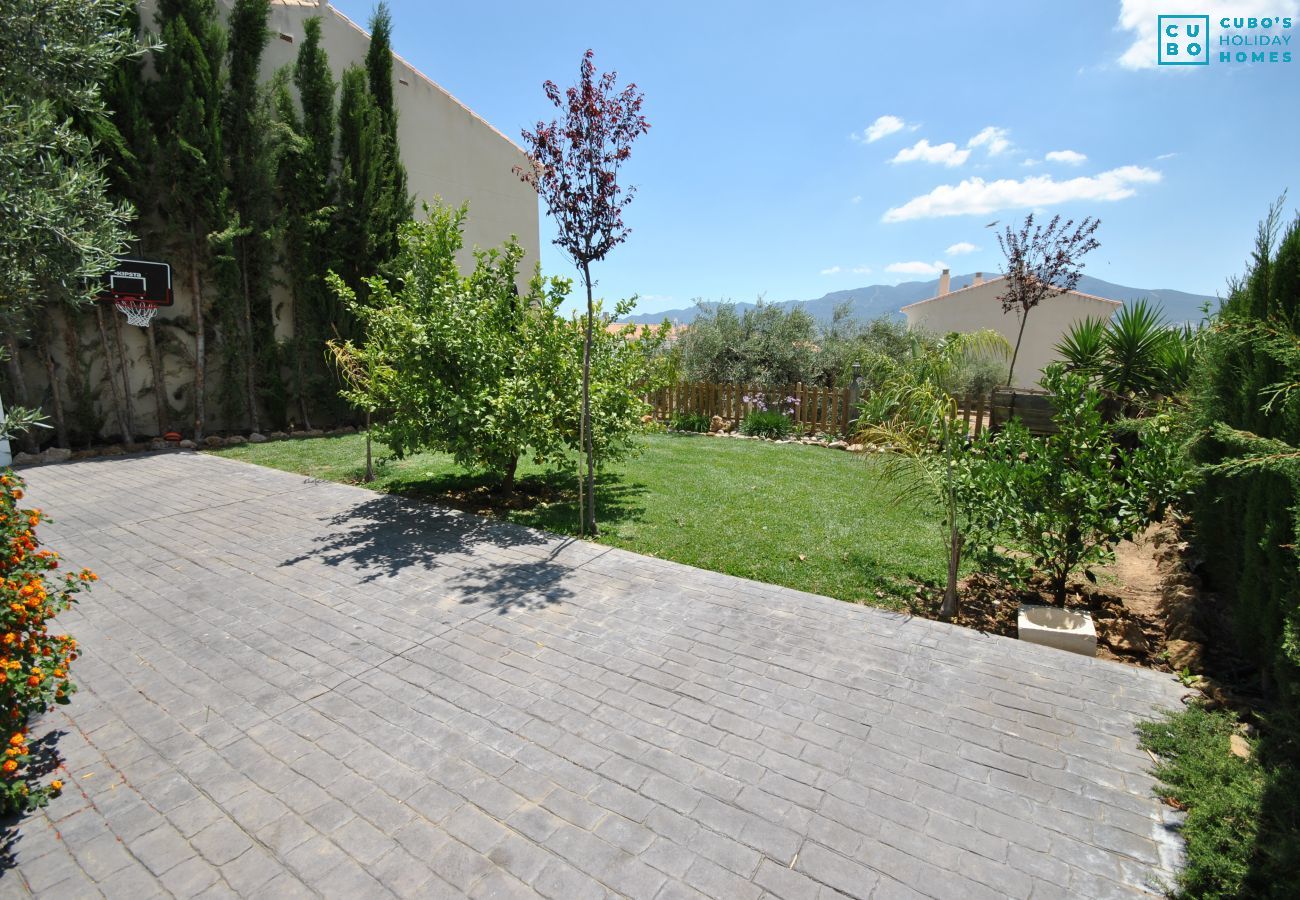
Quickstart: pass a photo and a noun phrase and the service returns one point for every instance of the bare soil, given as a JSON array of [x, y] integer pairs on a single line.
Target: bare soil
[[1124, 604]]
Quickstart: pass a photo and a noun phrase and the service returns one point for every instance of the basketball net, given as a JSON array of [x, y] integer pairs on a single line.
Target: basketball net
[[137, 311]]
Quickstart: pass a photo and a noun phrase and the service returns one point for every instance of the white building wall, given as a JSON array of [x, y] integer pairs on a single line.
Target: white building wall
[[976, 308]]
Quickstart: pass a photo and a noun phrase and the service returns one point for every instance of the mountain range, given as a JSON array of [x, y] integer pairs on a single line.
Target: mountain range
[[878, 300]]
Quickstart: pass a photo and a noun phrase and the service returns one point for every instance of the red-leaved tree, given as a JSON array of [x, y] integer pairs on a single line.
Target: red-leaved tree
[[1043, 261], [574, 167]]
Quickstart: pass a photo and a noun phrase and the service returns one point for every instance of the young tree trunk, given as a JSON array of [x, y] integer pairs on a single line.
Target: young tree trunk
[[299, 337], [1024, 317], [159, 383], [75, 380], [56, 395], [125, 370], [508, 478], [200, 338], [250, 355], [589, 443], [948, 609], [370, 468], [19, 381], [111, 378]]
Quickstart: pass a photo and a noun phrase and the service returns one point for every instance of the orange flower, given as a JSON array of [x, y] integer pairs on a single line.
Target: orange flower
[[9, 765], [56, 785], [17, 738]]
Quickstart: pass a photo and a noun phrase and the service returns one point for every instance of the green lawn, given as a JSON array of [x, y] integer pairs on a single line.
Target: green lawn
[[805, 517]]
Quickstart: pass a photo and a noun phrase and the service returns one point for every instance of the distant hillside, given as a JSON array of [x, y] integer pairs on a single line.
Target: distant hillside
[[886, 300]]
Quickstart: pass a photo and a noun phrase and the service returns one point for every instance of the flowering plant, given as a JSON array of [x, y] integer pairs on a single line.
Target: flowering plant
[[768, 418], [33, 662]]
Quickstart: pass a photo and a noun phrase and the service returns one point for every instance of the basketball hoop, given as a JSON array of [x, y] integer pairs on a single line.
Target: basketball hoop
[[137, 311], [137, 288]]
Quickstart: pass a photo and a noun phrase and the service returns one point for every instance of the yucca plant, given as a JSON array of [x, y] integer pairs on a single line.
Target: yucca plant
[[1135, 357], [927, 440]]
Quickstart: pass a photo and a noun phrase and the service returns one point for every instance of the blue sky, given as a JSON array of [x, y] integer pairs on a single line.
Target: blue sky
[[758, 176]]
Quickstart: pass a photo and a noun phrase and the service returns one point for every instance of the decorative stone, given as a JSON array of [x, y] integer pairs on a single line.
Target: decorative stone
[[158, 444], [256, 438], [236, 439], [855, 448], [112, 450], [352, 429], [1184, 654], [838, 445], [213, 440], [1065, 629], [187, 445], [717, 424], [1124, 637], [1239, 746], [278, 435], [26, 459], [56, 455]]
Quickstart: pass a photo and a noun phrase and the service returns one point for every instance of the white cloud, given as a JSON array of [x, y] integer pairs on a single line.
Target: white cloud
[[1166, 156], [882, 127], [856, 199], [838, 270], [833, 270], [917, 267], [861, 270], [1069, 157], [945, 154], [961, 247], [1139, 17], [995, 139], [975, 196]]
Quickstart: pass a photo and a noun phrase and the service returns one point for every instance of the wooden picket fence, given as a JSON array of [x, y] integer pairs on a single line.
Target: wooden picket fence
[[833, 410], [815, 408]]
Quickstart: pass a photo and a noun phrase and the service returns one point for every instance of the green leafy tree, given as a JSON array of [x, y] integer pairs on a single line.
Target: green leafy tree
[[1069, 498], [927, 441], [60, 227], [765, 344], [468, 365], [185, 106]]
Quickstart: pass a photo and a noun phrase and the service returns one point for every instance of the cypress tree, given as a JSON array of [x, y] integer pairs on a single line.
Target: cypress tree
[[249, 242], [307, 192], [369, 154], [185, 106]]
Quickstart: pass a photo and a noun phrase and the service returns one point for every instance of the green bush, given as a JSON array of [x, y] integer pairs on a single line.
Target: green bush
[[1242, 828], [1246, 410], [766, 423], [1069, 498], [689, 421]]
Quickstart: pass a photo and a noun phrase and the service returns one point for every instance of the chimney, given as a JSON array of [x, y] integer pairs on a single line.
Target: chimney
[[943, 283], [979, 279]]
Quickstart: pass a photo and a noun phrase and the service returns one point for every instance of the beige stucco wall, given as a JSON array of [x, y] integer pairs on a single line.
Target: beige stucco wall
[[976, 308], [448, 151]]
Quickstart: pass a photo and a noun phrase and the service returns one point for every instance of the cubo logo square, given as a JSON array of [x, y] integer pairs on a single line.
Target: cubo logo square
[[1183, 40]]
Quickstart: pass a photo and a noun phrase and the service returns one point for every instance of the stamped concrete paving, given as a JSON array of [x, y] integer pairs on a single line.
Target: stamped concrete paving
[[300, 688]]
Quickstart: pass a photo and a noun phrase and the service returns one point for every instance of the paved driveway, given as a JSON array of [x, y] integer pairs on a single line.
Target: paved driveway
[[299, 688]]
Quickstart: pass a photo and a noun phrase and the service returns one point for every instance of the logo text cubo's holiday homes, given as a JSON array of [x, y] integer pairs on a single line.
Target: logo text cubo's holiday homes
[[1186, 40]]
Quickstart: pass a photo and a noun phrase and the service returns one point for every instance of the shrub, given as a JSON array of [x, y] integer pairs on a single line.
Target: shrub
[[768, 423], [1067, 499], [689, 421], [1246, 410], [33, 662]]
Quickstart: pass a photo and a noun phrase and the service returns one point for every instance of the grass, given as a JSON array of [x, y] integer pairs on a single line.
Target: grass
[[804, 517], [1243, 815]]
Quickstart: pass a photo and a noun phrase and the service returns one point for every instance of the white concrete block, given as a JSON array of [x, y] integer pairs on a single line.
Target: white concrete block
[[1064, 629]]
